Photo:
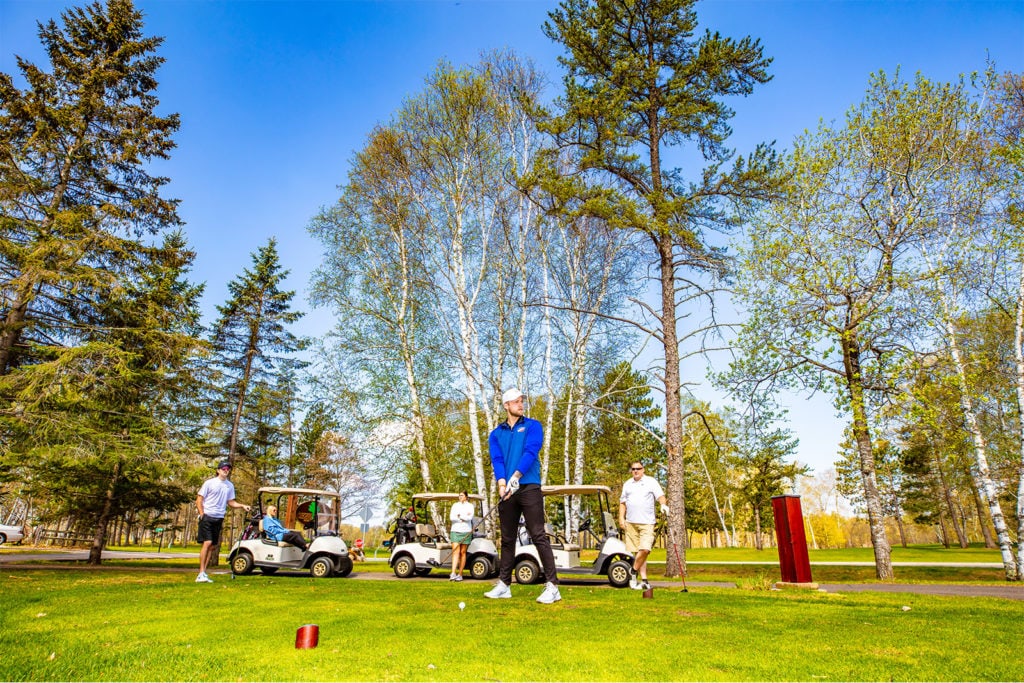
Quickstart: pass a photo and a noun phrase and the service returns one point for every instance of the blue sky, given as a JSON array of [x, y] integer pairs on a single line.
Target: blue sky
[[275, 97]]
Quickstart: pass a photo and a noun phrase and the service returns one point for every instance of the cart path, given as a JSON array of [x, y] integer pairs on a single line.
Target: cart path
[[59, 561]]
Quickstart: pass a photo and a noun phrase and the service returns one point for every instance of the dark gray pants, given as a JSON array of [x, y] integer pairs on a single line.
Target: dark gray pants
[[528, 502]]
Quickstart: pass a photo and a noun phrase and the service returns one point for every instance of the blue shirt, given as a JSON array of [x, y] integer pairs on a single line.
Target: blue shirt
[[272, 528], [516, 448]]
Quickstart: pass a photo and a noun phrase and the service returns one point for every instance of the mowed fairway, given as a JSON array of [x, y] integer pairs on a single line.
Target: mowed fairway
[[108, 625]]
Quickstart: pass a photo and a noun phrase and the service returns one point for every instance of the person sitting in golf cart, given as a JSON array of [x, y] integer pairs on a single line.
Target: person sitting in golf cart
[[273, 530]]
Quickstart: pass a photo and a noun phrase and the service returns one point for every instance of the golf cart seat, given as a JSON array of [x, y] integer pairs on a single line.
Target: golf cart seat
[[427, 535], [557, 540]]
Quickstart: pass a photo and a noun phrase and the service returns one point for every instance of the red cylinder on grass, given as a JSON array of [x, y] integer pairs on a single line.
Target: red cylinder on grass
[[307, 637]]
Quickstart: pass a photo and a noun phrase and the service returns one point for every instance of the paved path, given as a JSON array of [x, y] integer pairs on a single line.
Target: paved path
[[18, 561]]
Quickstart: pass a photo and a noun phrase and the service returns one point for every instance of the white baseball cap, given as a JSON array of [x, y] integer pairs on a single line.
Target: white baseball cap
[[510, 395]]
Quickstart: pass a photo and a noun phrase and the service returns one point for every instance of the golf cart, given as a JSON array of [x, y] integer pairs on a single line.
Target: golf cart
[[314, 513], [416, 549], [613, 560]]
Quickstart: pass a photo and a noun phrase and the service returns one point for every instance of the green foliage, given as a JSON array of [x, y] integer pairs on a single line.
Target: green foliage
[[624, 429], [318, 421], [97, 433], [75, 193], [639, 83], [252, 349]]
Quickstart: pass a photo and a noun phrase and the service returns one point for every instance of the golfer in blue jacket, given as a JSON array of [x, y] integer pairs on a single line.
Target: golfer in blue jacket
[[514, 446]]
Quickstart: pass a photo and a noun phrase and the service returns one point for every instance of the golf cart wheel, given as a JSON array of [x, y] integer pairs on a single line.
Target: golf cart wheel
[[618, 573], [242, 564], [344, 566], [527, 572], [269, 571], [321, 568], [423, 572], [481, 568], [404, 567]]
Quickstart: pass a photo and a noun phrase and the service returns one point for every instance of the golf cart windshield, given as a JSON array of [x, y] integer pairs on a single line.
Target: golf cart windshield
[[593, 503], [313, 512]]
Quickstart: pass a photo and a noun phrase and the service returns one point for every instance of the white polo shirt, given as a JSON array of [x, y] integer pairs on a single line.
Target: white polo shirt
[[216, 494], [640, 497]]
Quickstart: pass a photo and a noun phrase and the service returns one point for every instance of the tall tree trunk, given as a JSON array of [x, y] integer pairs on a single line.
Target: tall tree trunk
[[549, 383], [711, 487], [865, 449], [1018, 349], [566, 471], [899, 526], [758, 541], [943, 534], [673, 406], [948, 497], [983, 522], [980, 472], [100, 538]]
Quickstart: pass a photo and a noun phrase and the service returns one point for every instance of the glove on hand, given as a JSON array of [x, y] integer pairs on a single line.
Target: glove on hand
[[511, 487], [664, 509]]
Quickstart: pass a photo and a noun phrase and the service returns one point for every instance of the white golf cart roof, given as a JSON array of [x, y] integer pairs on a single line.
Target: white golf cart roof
[[276, 490], [574, 489], [437, 496]]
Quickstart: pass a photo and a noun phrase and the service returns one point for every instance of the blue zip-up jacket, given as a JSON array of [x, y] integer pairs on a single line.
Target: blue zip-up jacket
[[273, 528], [516, 448]]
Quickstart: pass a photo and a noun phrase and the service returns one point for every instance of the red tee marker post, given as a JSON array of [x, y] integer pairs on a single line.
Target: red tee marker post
[[789, 531], [307, 637]]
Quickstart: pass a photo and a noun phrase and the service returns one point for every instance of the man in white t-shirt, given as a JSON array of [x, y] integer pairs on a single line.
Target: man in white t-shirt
[[215, 497], [636, 516]]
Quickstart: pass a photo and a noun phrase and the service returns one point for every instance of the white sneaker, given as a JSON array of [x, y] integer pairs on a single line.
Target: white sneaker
[[500, 590], [203, 578], [550, 594], [644, 585], [633, 583], [451, 577], [457, 578]]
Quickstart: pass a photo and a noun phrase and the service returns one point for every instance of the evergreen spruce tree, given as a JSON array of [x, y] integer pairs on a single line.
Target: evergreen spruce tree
[[75, 190], [251, 341], [96, 433]]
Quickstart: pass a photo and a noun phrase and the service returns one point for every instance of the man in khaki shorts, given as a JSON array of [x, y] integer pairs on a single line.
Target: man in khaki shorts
[[636, 516]]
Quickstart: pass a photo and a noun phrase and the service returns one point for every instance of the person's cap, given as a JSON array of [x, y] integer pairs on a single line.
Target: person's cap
[[224, 463], [511, 395]]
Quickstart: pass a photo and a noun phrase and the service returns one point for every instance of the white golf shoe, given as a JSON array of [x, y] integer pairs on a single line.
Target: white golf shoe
[[500, 590], [550, 594], [203, 578]]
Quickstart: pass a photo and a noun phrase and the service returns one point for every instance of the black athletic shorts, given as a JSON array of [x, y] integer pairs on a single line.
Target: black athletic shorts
[[209, 529]]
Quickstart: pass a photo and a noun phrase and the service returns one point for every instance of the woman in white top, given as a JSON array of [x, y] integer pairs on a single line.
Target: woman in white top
[[461, 516]]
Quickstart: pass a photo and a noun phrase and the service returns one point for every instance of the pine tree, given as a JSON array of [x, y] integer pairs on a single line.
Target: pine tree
[[75, 191], [251, 339], [96, 433], [638, 83]]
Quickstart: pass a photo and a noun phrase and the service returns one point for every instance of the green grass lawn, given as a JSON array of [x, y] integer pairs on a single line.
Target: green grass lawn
[[107, 625]]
